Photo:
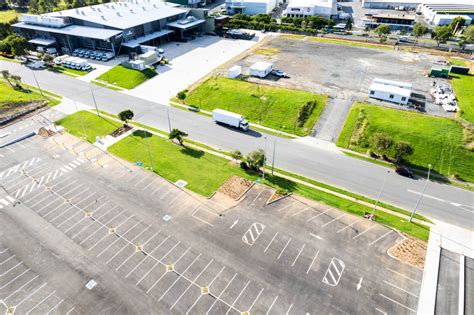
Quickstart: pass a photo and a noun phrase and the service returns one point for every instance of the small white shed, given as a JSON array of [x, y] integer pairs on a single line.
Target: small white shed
[[234, 72], [390, 93], [260, 69]]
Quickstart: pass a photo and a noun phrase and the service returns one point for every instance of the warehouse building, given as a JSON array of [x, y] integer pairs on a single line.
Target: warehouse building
[[444, 13], [304, 8], [406, 4], [119, 27], [250, 7]]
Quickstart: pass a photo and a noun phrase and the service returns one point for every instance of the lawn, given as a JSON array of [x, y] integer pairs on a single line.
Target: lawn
[[88, 123], [463, 86], [349, 43], [205, 172], [436, 140], [126, 78], [273, 107], [67, 70], [8, 16], [13, 100]]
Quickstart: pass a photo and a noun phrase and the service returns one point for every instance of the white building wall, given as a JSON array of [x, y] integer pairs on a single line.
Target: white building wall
[[383, 95], [298, 8], [251, 8], [389, 4]]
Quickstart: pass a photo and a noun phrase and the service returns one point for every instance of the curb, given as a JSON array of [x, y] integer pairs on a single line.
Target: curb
[[30, 134], [429, 284]]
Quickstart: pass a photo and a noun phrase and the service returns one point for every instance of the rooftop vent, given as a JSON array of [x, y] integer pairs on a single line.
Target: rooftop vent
[[98, 9], [131, 10], [77, 11], [118, 14], [92, 8], [113, 7], [144, 9], [102, 17], [83, 12], [155, 6]]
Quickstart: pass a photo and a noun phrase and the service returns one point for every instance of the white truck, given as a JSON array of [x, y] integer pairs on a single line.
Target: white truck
[[221, 116]]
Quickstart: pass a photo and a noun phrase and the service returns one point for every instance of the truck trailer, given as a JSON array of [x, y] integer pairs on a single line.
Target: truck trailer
[[224, 117]]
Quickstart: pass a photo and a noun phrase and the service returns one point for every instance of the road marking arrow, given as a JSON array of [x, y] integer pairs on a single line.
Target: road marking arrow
[[359, 285]]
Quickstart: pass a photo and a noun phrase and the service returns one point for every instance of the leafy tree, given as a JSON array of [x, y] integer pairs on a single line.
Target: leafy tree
[[442, 33], [420, 30], [381, 142], [349, 24], [125, 116], [236, 155], [457, 23], [255, 159], [181, 95], [262, 18], [402, 149], [6, 76], [178, 135], [469, 34], [16, 44], [243, 17], [382, 30]]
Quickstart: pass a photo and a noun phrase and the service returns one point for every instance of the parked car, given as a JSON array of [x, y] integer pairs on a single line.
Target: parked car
[[403, 171], [280, 73]]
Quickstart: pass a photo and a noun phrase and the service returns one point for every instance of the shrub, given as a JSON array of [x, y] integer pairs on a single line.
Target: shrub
[[305, 112]]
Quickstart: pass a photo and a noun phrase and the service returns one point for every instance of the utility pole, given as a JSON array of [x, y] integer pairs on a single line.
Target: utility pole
[[148, 147], [168, 114], [422, 193], [82, 122], [36, 80], [380, 192], [95, 103], [273, 158], [264, 160]]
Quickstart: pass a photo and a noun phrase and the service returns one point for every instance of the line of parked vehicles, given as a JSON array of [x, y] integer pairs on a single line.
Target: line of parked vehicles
[[93, 54], [72, 63]]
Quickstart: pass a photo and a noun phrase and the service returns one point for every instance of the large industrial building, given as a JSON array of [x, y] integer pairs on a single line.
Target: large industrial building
[[250, 7], [119, 27], [406, 4], [304, 8], [442, 14]]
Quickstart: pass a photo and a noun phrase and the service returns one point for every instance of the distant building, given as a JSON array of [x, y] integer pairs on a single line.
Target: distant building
[[406, 4], [119, 27], [443, 14], [250, 7], [393, 20], [304, 8]]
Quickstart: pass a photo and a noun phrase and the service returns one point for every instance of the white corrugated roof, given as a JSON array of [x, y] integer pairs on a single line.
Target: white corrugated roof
[[73, 30], [390, 89], [261, 66], [393, 83], [312, 3], [123, 15]]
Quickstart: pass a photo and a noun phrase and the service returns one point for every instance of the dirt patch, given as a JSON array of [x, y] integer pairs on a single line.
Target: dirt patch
[[277, 195], [411, 251], [120, 131], [235, 187]]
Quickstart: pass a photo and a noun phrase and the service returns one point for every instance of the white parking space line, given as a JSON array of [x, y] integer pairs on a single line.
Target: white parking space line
[[107, 234], [143, 260], [102, 226], [238, 296], [150, 183], [375, 241], [61, 213], [398, 303], [380, 311], [158, 262], [273, 238], [48, 204], [166, 194], [141, 180], [297, 256], [90, 224], [335, 219], [301, 211], [191, 283], [397, 287], [118, 238], [271, 305], [222, 292], [287, 206], [281, 253], [179, 277], [258, 195], [14, 279], [289, 309], [11, 268], [362, 233], [40, 302], [21, 288], [12, 256], [348, 226], [209, 286], [127, 245], [318, 215], [55, 307], [416, 281], [4, 250], [31, 294], [312, 262], [255, 300]]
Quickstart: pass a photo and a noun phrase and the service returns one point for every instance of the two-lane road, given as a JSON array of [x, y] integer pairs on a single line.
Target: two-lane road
[[322, 162]]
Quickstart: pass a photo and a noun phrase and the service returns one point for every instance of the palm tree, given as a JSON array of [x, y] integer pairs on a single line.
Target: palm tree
[[178, 135]]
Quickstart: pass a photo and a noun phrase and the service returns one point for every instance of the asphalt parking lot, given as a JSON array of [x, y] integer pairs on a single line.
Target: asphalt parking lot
[[152, 247]]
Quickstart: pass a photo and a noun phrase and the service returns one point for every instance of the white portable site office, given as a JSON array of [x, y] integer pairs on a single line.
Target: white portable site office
[[260, 69], [390, 91]]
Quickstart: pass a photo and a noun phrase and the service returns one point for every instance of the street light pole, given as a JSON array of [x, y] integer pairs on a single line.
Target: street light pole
[[380, 192], [264, 160], [95, 103], [273, 158], [422, 193], [36, 80], [148, 147], [168, 114]]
